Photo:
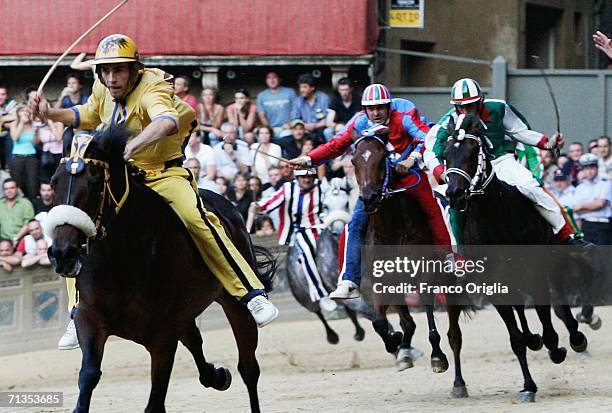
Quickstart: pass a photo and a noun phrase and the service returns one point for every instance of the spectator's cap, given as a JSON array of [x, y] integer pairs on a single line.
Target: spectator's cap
[[589, 160], [375, 94], [305, 172], [561, 176], [116, 48], [296, 122]]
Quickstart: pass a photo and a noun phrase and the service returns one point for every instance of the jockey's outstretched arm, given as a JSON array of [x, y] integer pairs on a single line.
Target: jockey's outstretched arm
[[518, 130]]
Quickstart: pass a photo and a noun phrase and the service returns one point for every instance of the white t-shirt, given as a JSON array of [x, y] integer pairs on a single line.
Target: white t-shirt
[[206, 156], [225, 166], [259, 162]]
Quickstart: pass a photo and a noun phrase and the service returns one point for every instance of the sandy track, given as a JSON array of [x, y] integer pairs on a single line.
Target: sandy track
[[302, 373]]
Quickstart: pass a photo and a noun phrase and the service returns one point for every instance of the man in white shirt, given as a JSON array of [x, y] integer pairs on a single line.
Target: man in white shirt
[[205, 156], [232, 155]]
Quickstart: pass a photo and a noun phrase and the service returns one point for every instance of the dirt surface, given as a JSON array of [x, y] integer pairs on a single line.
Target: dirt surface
[[301, 372]]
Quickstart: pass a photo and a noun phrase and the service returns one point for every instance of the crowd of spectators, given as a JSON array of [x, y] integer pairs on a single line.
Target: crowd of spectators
[[582, 182]]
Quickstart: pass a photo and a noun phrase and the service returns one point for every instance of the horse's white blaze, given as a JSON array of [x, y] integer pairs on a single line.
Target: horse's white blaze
[[366, 155], [67, 214]]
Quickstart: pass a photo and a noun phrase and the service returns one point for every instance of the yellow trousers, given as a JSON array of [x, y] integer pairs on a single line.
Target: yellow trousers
[[217, 250]]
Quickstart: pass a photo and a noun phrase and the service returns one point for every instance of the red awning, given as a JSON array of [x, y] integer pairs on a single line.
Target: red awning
[[194, 27]]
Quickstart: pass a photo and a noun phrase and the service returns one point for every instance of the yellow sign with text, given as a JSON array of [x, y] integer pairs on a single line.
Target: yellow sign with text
[[406, 18]]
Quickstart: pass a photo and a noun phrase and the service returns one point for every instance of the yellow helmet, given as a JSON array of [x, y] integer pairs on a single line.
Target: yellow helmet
[[116, 48]]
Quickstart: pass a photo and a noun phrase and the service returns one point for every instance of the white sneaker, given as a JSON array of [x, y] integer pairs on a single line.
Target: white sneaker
[[327, 304], [69, 340], [346, 289], [262, 310]]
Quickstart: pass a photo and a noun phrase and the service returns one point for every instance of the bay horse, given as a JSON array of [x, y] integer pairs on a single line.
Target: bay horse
[[327, 264], [498, 214], [138, 272], [397, 219]]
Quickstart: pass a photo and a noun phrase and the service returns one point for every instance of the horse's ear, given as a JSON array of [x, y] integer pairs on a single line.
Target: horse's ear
[[451, 125], [67, 140]]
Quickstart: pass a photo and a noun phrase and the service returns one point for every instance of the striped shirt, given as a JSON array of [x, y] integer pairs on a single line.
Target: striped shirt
[[299, 209]]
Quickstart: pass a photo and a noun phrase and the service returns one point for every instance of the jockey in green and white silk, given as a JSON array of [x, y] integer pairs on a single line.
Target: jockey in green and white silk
[[504, 127]]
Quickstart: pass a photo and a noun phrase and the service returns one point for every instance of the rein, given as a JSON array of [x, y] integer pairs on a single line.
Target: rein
[[75, 165], [391, 164], [477, 185]]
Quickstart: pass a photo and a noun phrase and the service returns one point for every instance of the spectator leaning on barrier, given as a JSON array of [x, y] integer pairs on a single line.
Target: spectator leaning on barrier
[[243, 114], [28, 244], [15, 212], [9, 258], [311, 106], [274, 105], [210, 116], [592, 203], [261, 161], [182, 84], [605, 157], [71, 94], [40, 257], [24, 163], [232, 155], [44, 201]]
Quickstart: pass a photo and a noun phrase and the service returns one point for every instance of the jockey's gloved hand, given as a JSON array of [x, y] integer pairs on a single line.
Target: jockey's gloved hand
[[405, 165], [557, 141], [300, 163]]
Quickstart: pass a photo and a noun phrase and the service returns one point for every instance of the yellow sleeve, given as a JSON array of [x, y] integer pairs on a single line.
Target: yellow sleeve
[[158, 102], [88, 115]]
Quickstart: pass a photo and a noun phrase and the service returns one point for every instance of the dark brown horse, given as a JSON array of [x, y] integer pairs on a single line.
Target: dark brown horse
[[141, 277], [397, 219], [498, 214]]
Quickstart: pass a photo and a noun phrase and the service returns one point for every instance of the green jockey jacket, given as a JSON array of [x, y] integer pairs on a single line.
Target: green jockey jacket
[[505, 126]]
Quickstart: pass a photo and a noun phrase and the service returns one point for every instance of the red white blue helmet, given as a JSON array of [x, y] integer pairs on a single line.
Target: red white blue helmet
[[375, 94]]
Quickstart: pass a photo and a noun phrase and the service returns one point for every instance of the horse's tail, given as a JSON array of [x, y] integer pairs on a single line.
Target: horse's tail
[[265, 266]]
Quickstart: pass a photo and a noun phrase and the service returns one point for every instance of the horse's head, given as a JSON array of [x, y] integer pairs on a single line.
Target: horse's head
[[82, 190], [467, 161], [371, 169]]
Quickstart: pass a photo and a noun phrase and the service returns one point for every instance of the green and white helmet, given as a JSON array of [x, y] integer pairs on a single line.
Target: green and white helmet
[[465, 91]]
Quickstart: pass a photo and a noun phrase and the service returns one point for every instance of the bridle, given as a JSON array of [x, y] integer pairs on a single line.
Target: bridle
[[482, 178], [75, 165], [391, 161]]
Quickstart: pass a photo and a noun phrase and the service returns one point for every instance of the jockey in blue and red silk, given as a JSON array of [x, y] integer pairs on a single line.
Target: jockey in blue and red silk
[[407, 130]]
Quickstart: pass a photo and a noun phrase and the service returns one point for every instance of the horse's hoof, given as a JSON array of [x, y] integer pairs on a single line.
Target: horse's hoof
[[228, 379], [459, 392], [581, 342], [332, 338], [557, 355], [403, 360], [534, 342], [525, 397], [439, 364], [393, 343], [595, 323], [359, 334]]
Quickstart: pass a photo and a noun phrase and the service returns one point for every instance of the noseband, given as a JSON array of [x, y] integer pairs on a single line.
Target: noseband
[[391, 161], [75, 165], [477, 185]]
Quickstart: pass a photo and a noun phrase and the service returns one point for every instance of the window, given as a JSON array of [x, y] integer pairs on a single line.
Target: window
[[541, 35]]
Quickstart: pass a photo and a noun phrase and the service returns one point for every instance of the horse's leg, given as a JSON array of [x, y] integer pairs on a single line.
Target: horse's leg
[[245, 332], [381, 325], [217, 378], [162, 351], [359, 331], [404, 359], [549, 335], [92, 339], [439, 362], [520, 350], [455, 340], [533, 341], [578, 341], [332, 337]]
